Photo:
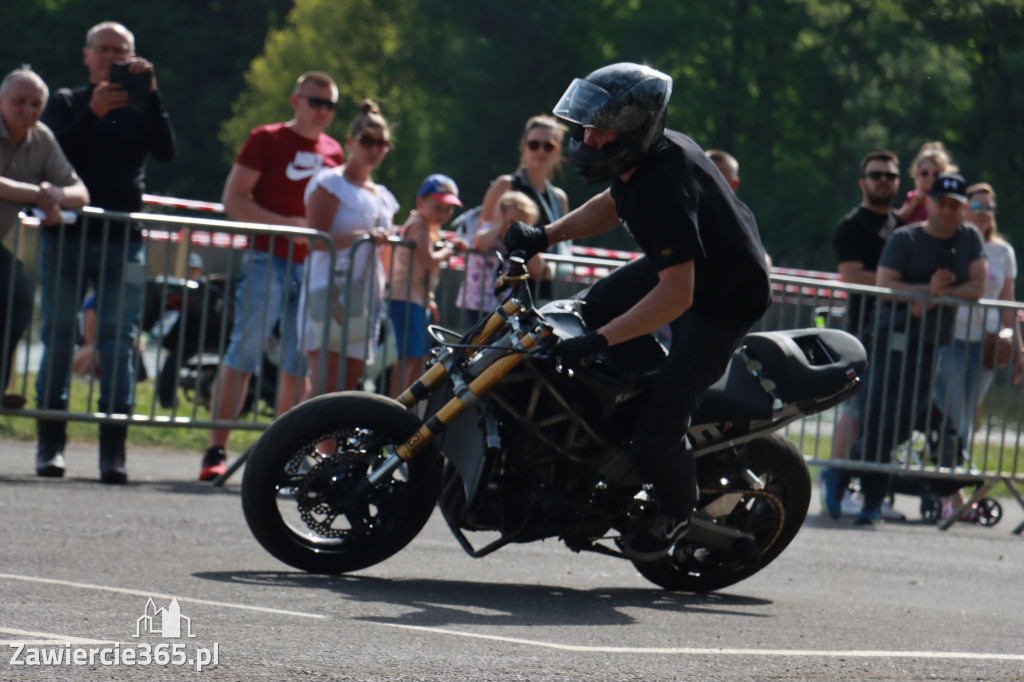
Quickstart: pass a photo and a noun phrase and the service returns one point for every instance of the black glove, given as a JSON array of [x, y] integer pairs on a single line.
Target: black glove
[[571, 352], [529, 240]]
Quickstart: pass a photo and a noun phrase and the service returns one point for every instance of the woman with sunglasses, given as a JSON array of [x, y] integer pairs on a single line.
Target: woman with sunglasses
[[962, 378], [345, 203], [931, 160], [540, 153]]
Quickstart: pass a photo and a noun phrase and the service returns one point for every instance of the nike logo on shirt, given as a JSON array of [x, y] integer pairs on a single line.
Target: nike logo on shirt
[[303, 166]]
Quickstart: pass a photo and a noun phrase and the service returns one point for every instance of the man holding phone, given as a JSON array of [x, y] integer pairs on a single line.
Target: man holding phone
[[943, 256], [107, 141]]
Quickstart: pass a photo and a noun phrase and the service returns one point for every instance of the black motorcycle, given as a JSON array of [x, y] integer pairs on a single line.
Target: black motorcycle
[[192, 318], [514, 447]]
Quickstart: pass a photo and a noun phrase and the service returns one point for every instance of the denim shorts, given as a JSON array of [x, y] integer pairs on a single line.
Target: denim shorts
[[410, 324], [266, 293]]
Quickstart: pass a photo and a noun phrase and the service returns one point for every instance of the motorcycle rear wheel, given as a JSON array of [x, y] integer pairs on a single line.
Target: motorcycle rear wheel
[[298, 500], [777, 462]]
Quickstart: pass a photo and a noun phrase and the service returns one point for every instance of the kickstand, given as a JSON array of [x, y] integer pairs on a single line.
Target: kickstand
[[232, 468]]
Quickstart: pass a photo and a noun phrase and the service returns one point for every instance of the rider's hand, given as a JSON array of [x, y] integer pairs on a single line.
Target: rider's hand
[[571, 352], [529, 240]]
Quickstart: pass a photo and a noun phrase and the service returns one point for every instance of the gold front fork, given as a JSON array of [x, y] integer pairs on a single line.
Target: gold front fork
[[436, 374], [460, 403]]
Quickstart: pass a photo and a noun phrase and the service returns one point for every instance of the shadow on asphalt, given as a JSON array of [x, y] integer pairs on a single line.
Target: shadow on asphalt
[[174, 486], [459, 602]]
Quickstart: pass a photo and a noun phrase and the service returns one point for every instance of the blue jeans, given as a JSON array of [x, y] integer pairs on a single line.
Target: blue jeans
[[962, 383], [69, 266], [266, 293]]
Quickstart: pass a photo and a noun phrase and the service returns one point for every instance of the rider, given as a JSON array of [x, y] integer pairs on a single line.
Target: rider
[[703, 271]]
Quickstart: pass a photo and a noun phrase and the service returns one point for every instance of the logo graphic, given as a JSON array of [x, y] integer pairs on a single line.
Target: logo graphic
[[163, 622], [303, 166]]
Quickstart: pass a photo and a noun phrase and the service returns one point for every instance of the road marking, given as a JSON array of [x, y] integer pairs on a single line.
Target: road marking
[[157, 595], [46, 638], [695, 651]]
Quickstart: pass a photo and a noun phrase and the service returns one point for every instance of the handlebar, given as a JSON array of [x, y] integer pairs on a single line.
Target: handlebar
[[514, 272]]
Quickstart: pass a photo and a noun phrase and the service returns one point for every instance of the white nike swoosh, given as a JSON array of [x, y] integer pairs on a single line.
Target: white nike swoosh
[[293, 173]]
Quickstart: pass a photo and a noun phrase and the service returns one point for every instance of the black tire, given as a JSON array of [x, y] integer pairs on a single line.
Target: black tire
[[930, 508], [773, 516], [299, 506], [990, 512]]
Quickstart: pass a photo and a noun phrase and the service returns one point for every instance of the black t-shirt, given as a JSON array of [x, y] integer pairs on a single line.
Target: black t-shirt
[[860, 236], [678, 207]]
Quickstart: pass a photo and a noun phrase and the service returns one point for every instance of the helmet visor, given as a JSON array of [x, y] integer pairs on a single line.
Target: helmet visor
[[582, 103], [591, 105]]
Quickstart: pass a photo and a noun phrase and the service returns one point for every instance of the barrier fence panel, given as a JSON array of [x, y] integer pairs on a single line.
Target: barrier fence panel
[[179, 325], [119, 305], [914, 419]]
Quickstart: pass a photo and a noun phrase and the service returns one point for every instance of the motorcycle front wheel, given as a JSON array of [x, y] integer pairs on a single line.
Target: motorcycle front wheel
[[299, 489], [772, 513]]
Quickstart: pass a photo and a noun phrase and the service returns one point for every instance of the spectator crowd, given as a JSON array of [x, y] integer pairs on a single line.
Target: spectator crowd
[[89, 145]]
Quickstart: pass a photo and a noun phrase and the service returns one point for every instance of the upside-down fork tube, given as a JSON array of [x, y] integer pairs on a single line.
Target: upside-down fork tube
[[460, 403], [422, 387]]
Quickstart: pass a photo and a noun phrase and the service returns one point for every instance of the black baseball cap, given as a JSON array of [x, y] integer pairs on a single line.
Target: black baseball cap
[[949, 185]]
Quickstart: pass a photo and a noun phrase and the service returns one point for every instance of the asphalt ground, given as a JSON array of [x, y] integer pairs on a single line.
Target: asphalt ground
[[79, 562]]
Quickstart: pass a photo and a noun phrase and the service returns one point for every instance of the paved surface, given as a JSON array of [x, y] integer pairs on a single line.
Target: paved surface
[[79, 562]]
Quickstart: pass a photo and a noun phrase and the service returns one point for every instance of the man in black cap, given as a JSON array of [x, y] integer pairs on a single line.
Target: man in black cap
[[942, 256]]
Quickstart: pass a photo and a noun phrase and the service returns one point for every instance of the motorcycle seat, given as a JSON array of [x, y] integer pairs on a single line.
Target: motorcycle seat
[[805, 365]]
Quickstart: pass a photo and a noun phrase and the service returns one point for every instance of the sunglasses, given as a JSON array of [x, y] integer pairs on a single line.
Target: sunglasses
[[369, 142], [924, 173], [534, 145], [978, 207], [878, 175], [320, 103]]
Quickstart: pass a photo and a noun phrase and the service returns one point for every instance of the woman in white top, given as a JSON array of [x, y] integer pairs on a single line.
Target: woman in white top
[[962, 378], [348, 205]]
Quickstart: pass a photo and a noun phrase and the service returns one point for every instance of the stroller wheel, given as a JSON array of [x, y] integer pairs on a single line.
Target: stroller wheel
[[931, 508], [990, 512]]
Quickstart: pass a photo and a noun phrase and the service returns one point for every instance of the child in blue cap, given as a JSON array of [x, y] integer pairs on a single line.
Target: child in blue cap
[[415, 273]]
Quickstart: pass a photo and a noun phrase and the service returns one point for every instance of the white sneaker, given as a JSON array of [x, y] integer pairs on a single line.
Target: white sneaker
[[890, 514], [851, 504]]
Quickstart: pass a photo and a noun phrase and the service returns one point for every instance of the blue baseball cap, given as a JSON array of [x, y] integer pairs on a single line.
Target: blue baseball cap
[[442, 188]]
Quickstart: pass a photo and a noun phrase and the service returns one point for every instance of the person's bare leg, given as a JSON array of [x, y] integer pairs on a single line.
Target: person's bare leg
[[230, 386], [287, 392], [844, 435]]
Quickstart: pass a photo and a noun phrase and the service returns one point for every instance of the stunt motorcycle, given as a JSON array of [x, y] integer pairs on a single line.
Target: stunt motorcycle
[[514, 447]]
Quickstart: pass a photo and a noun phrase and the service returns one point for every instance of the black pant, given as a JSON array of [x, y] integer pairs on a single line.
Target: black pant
[[16, 295], [698, 356]]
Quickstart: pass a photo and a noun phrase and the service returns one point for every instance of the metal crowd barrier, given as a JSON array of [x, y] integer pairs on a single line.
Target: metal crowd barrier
[[202, 309], [935, 456], [193, 315]]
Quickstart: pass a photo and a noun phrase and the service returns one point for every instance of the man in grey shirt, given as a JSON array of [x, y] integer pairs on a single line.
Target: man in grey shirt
[[33, 173]]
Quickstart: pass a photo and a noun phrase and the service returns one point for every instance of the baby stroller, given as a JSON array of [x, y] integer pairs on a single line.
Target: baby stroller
[[935, 441]]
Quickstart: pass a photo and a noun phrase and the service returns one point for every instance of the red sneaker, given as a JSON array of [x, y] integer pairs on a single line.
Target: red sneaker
[[215, 463]]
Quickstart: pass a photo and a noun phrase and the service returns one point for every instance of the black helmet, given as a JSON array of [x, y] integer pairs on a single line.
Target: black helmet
[[628, 98]]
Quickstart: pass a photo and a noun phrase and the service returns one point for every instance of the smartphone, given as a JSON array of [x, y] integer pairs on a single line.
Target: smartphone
[[135, 84], [947, 259]]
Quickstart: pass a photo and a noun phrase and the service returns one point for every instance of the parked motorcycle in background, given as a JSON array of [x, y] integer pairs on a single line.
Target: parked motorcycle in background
[[514, 447]]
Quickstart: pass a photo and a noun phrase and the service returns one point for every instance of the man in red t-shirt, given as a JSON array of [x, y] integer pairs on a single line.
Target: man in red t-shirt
[[266, 185]]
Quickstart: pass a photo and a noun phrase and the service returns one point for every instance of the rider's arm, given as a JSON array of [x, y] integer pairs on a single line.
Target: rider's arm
[[597, 216], [670, 298]]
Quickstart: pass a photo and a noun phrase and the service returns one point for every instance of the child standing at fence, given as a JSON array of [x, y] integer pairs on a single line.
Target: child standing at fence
[[415, 273], [476, 295]]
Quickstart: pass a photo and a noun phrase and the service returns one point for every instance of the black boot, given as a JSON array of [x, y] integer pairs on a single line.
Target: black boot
[[52, 436], [112, 438]]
